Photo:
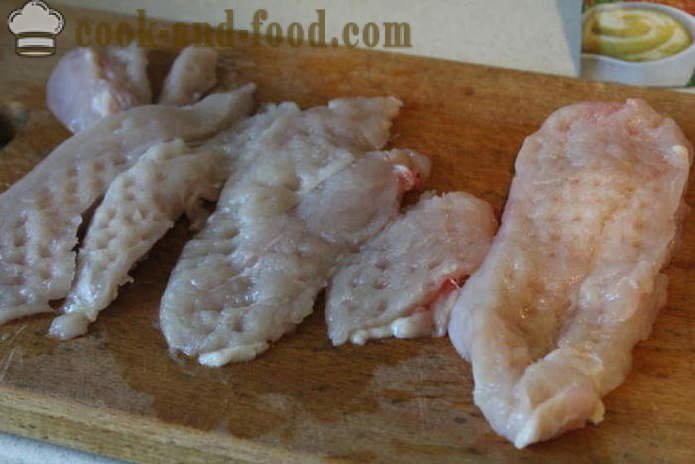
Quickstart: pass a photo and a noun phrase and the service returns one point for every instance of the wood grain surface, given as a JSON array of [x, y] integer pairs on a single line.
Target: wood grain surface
[[117, 392]]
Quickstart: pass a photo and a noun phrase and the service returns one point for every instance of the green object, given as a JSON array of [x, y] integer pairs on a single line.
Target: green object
[[691, 82]]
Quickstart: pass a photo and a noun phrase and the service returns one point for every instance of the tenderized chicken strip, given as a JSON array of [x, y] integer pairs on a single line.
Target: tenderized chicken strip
[[309, 194], [234, 303], [40, 213], [191, 75], [391, 286], [87, 84], [139, 207], [573, 279], [141, 204]]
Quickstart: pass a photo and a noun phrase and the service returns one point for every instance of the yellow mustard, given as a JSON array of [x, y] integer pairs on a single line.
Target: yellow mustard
[[634, 34]]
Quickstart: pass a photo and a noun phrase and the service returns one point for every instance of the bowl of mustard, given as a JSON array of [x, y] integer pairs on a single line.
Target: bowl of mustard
[[638, 43]]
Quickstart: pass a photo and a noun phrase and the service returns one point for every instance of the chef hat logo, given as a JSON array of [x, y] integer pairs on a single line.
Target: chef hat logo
[[35, 26]]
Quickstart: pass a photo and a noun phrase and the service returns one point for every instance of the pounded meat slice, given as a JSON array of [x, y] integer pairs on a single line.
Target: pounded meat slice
[[389, 287], [276, 264], [253, 272], [573, 279], [140, 205], [40, 213]]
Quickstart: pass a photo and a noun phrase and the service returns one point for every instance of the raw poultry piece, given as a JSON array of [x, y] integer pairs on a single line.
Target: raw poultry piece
[[141, 204], [139, 207], [308, 194], [191, 75], [255, 271], [40, 213], [88, 84], [399, 283], [573, 279]]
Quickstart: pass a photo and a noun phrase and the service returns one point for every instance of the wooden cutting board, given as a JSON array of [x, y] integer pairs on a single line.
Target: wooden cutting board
[[117, 392]]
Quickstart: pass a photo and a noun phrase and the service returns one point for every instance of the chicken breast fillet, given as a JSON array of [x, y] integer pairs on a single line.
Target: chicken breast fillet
[[139, 207], [307, 194], [87, 84], [191, 75], [141, 204], [391, 286], [573, 279], [40, 213]]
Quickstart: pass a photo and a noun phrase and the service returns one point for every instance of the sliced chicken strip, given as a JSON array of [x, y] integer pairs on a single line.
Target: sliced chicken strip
[[191, 75], [392, 285], [141, 204], [573, 279], [87, 84], [40, 213], [253, 272], [236, 303], [139, 207], [353, 205]]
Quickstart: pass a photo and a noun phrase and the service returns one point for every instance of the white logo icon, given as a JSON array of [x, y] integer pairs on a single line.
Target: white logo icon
[[35, 25]]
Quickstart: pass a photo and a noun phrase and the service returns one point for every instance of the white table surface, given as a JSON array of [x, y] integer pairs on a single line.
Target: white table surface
[[534, 35], [18, 450]]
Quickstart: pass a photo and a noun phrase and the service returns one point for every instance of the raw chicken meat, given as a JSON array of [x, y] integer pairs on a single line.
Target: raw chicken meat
[[254, 273], [191, 75], [391, 287], [307, 193], [573, 279], [40, 213], [87, 85], [140, 205]]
